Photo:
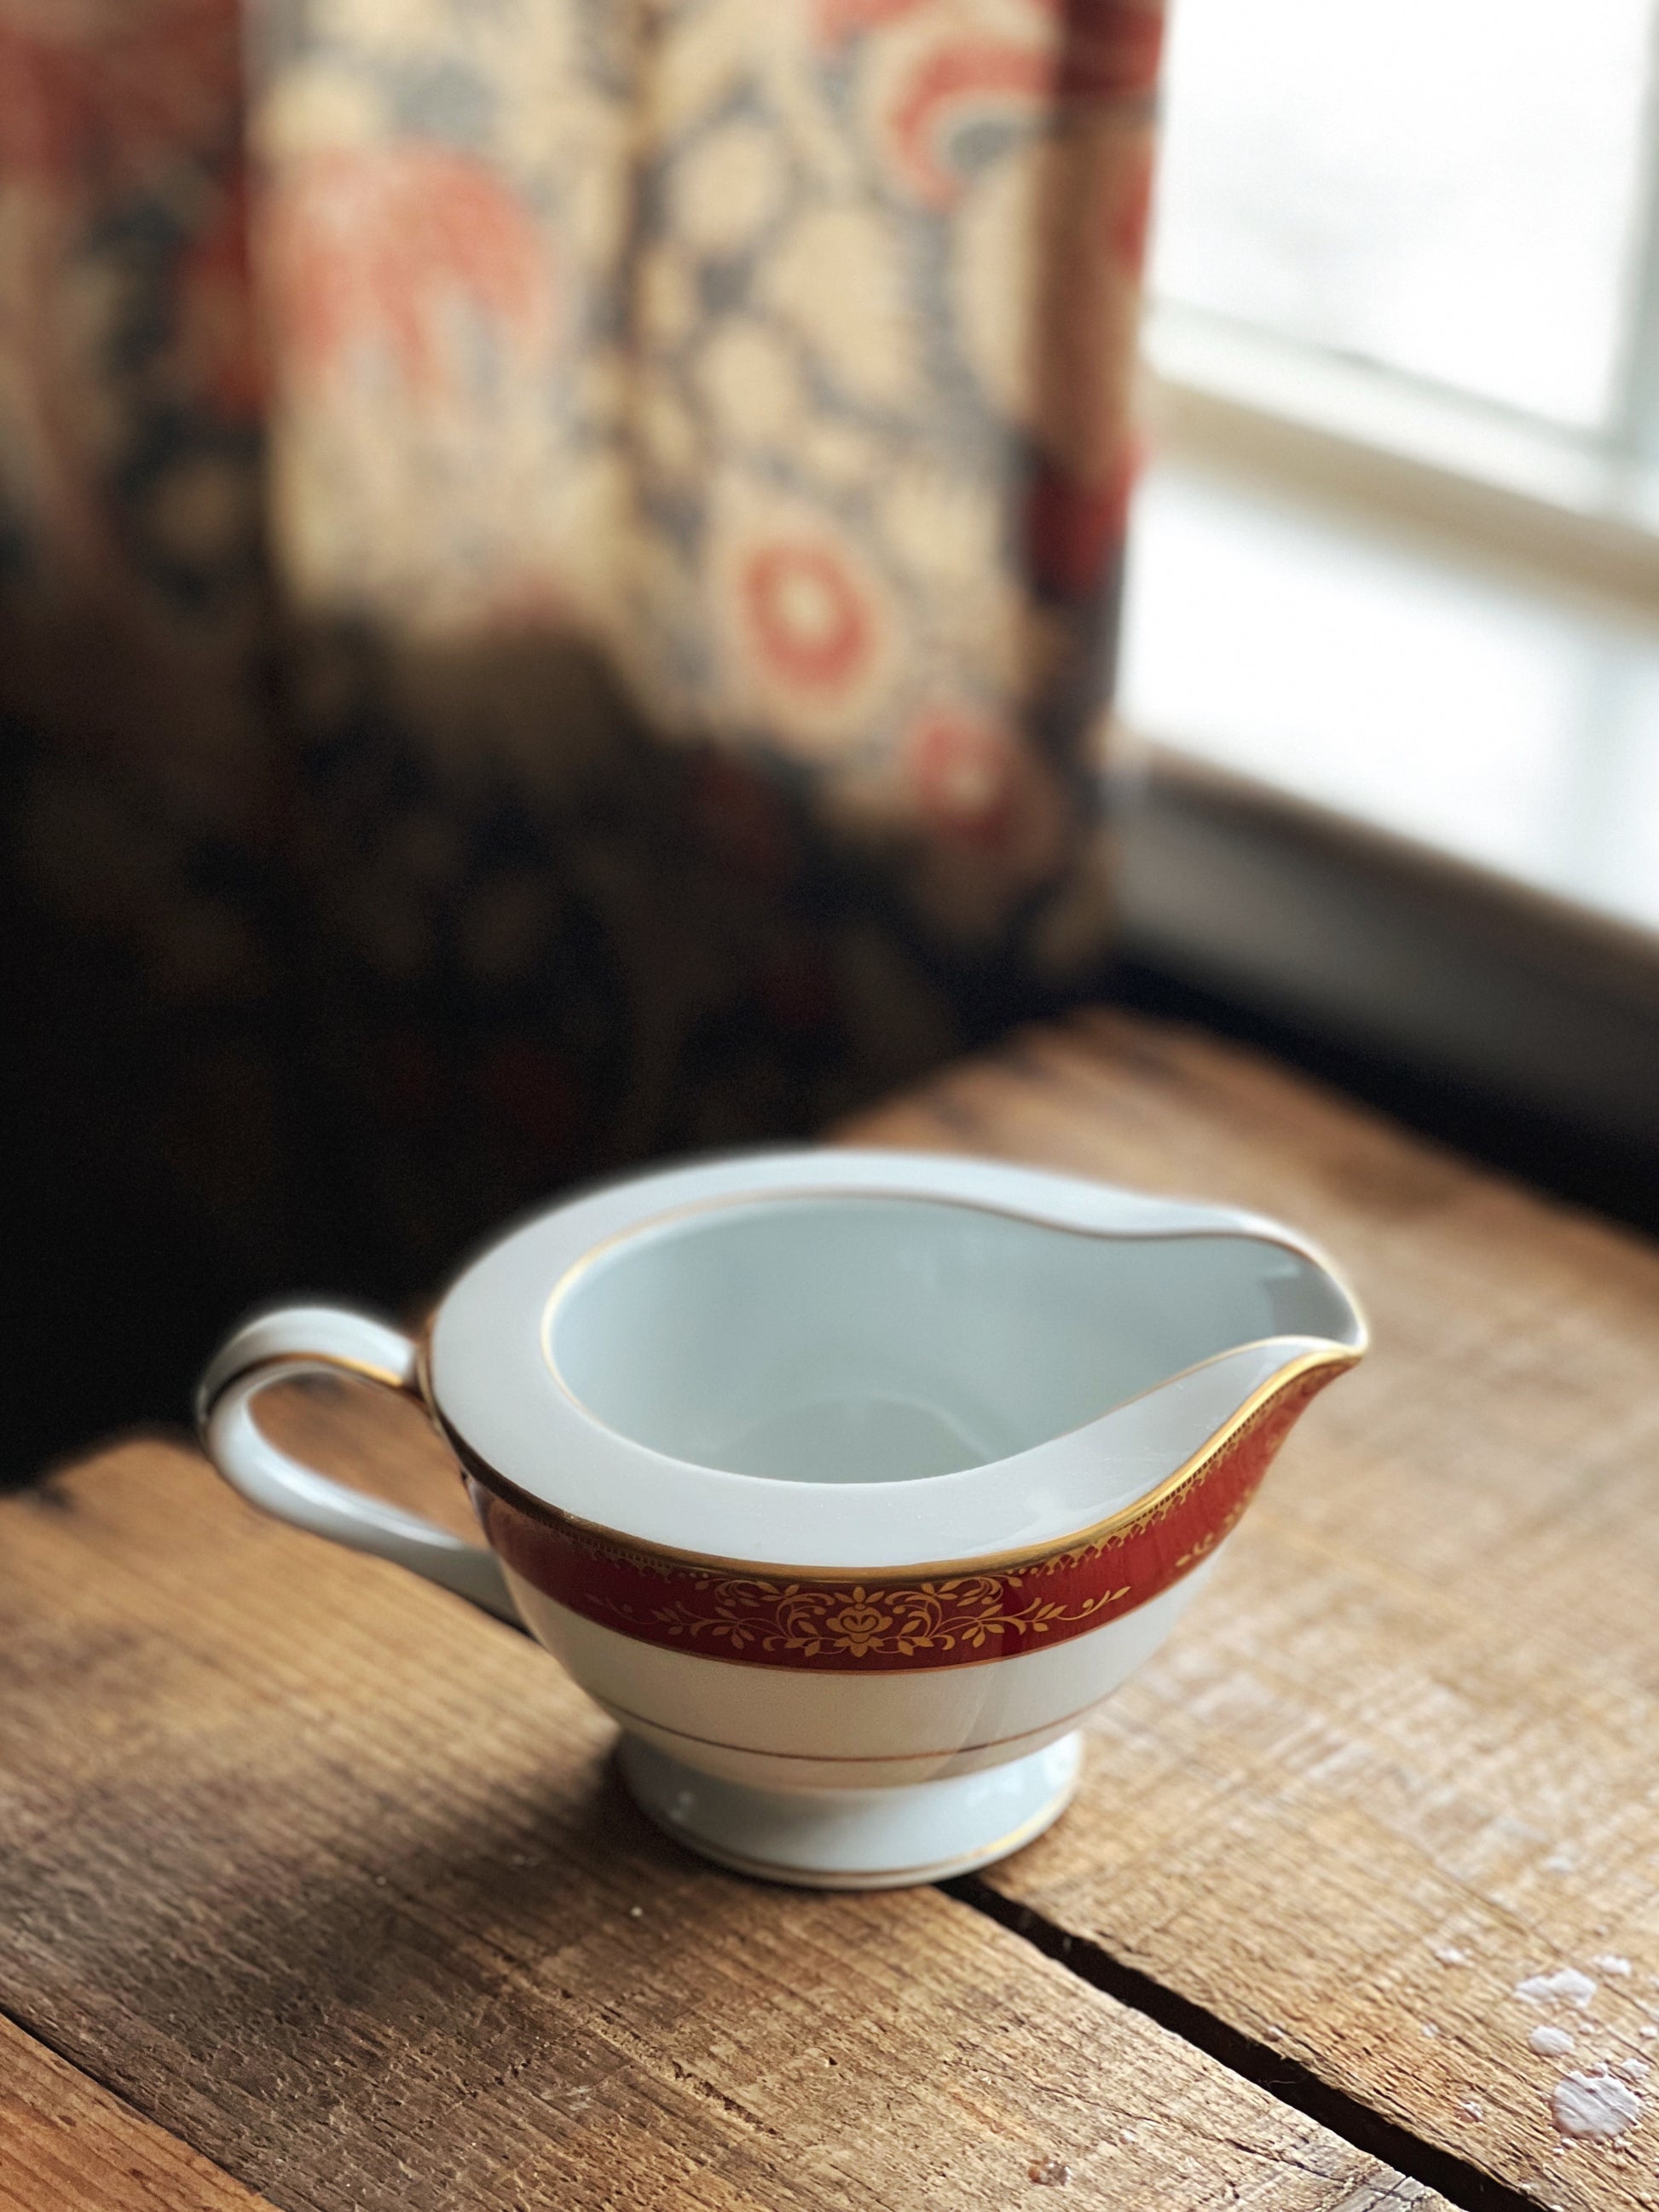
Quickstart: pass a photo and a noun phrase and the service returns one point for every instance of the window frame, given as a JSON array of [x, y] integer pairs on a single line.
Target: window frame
[[1584, 505], [1489, 482]]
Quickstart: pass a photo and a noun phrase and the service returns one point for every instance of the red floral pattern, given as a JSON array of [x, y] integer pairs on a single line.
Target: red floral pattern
[[966, 771], [890, 1624], [956, 86], [380, 246], [546, 631], [807, 617]]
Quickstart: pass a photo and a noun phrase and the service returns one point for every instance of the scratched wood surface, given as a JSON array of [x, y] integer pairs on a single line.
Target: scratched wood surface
[[326, 1876], [67, 2144], [1404, 1755]]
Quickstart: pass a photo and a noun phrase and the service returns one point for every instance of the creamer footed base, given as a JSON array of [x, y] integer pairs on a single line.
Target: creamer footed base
[[897, 1839]]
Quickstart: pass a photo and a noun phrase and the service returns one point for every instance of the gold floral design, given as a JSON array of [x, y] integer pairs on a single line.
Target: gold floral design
[[782, 1618], [863, 1620]]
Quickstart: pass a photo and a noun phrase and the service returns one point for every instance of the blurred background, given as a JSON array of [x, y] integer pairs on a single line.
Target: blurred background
[[1392, 580], [589, 578]]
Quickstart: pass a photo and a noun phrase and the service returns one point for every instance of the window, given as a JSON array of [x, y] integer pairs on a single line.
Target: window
[[1396, 566], [1453, 195], [1400, 557]]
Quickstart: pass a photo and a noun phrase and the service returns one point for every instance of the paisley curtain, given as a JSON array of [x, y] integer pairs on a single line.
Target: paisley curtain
[[558, 565]]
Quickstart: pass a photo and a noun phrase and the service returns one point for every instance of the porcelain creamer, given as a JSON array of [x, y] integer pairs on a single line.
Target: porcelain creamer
[[846, 1481]]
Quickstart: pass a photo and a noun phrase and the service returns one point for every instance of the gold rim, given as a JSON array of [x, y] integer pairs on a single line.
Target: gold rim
[[690, 1208], [1153, 1506]]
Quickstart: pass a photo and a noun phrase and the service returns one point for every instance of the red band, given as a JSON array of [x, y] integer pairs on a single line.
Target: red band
[[890, 1623]]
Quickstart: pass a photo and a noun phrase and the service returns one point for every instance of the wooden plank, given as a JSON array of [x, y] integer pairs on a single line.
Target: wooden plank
[[68, 2146], [1404, 1756], [327, 1874]]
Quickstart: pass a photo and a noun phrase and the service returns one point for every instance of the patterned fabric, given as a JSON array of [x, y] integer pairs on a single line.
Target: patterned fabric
[[573, 618]]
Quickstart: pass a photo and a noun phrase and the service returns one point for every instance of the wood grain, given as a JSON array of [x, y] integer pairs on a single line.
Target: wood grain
[[68, 2146], [1404, 1753], [326, 1873]]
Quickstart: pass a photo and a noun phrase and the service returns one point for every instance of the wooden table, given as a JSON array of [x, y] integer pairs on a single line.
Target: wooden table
[[316, 1887]]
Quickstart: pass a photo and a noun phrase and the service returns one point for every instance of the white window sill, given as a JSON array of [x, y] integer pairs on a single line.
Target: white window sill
[[1398, 786], [1399, 446], [1507, 728]]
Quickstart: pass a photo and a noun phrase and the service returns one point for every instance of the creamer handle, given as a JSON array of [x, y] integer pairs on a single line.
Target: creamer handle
[[330, 1341]]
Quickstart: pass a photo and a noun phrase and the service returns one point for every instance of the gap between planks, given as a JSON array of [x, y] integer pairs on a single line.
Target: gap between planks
[[1282, 2077], [1286, 2079], [227, 1982], [190, 2183], [71, 2140], [1413, 1729]]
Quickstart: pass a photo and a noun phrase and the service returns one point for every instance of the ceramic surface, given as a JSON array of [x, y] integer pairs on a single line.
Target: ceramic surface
[[846, 1482]]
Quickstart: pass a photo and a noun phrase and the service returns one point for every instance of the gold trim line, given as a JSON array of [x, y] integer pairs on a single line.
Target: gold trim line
[[626, 1715], [1151, 1506]]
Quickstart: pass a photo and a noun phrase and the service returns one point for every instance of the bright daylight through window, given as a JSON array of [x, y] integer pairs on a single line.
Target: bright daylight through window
[[1450, 189], [1429, 232]]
